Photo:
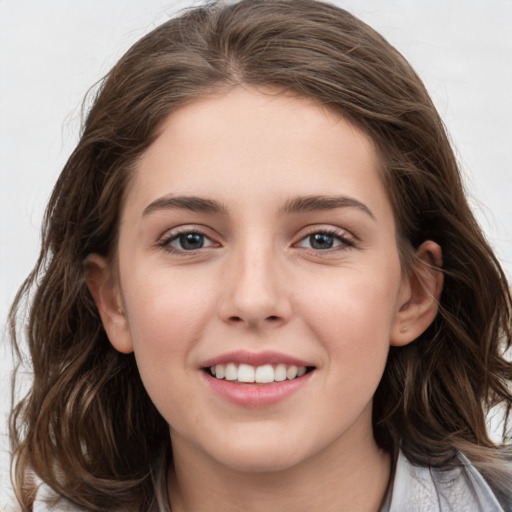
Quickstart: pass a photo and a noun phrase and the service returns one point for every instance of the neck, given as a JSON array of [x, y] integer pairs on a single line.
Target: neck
[[343, 477]]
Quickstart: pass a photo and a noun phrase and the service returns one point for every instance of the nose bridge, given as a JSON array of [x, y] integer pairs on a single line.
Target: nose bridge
[[253, 284]]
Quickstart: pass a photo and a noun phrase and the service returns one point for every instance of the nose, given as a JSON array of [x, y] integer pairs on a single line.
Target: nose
[[254, 290]]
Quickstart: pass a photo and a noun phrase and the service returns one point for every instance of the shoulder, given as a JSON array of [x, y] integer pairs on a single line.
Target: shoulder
[[428, 489]]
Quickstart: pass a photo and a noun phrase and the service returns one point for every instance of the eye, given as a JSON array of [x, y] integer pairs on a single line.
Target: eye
[[187, 241], [325, 240]]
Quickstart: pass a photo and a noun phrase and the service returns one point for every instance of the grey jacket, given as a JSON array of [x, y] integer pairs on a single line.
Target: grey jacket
[[424, 489], [414, 489]]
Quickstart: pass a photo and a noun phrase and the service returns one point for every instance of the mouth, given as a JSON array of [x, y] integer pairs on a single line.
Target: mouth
[[256, 379], [262, 374]]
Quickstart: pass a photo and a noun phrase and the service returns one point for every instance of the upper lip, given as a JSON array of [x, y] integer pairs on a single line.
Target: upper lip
[[254, 359]]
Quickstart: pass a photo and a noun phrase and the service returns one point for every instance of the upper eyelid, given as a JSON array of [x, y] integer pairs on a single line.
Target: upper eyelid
[[346, 238], [325, 228], [172, 234], [187, 228], [302, 233], [166, 241]]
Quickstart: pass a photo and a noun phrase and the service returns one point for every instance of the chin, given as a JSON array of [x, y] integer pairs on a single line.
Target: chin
[[258, 454], [260, 462]]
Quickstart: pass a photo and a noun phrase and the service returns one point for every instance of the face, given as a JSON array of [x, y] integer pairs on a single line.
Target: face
[[257, 242]]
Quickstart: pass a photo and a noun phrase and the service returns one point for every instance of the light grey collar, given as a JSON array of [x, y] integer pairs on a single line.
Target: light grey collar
[[427, 489]]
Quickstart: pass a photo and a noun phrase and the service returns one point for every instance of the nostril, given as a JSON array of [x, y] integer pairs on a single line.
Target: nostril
[[235, 319]]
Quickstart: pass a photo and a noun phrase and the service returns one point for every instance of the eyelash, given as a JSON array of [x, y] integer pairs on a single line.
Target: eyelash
[[345, 242], [165, 243], [341, 236]]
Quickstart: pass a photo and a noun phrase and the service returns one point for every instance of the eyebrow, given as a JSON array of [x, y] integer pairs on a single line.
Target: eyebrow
[[191, 203], [301, 204], [304, 204]]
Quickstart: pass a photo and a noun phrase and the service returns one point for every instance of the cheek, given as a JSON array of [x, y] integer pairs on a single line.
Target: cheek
[[355, 304], [166, 319], [353, 318], [165, 309]]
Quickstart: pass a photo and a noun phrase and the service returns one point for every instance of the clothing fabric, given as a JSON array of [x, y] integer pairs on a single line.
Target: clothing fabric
[[414, 489], [427, 489]]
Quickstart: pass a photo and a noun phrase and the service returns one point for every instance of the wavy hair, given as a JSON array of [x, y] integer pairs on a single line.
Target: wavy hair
[[87, 427]]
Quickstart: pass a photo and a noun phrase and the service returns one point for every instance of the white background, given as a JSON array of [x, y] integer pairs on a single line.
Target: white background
[[52, 51]]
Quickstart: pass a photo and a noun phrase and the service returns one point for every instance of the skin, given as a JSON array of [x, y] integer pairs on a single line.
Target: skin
[[258, 284]]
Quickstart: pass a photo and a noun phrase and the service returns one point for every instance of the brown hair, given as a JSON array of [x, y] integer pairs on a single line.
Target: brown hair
[[87, 427]]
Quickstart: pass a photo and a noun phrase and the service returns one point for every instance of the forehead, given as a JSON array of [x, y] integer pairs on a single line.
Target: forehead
[[244, 142]]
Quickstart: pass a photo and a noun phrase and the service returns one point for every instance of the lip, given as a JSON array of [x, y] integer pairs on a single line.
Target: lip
[[253, 394], [254, 359]]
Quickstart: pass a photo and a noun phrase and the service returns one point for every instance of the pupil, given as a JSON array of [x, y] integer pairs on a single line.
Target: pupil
[[321, 241], [191, 241]]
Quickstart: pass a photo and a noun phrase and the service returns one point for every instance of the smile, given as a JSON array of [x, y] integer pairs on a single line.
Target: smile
[[260, 379], [264, 374]]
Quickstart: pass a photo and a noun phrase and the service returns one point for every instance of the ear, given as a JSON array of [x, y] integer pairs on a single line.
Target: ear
[[419, 296], [107, 296]]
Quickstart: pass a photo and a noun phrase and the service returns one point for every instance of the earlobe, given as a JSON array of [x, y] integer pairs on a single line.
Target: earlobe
[[106, 294], [420, 295]]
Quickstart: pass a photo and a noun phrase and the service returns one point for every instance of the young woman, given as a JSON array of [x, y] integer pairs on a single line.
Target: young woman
[[261, 285]]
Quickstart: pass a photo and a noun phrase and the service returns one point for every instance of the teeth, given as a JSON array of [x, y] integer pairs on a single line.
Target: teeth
[[261, 374], [291, 372], [231, 371], [280, 373], [220, 371], [264, 374], [245, 373]]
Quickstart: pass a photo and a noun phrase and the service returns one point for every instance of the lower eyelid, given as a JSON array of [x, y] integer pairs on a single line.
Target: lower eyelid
[[344, 240], [166, 240]]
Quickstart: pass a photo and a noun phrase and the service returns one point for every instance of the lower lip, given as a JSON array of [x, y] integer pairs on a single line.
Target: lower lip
[[255, 395]]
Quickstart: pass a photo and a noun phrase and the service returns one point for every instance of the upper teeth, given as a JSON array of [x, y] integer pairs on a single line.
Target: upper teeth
[[259, 374]]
